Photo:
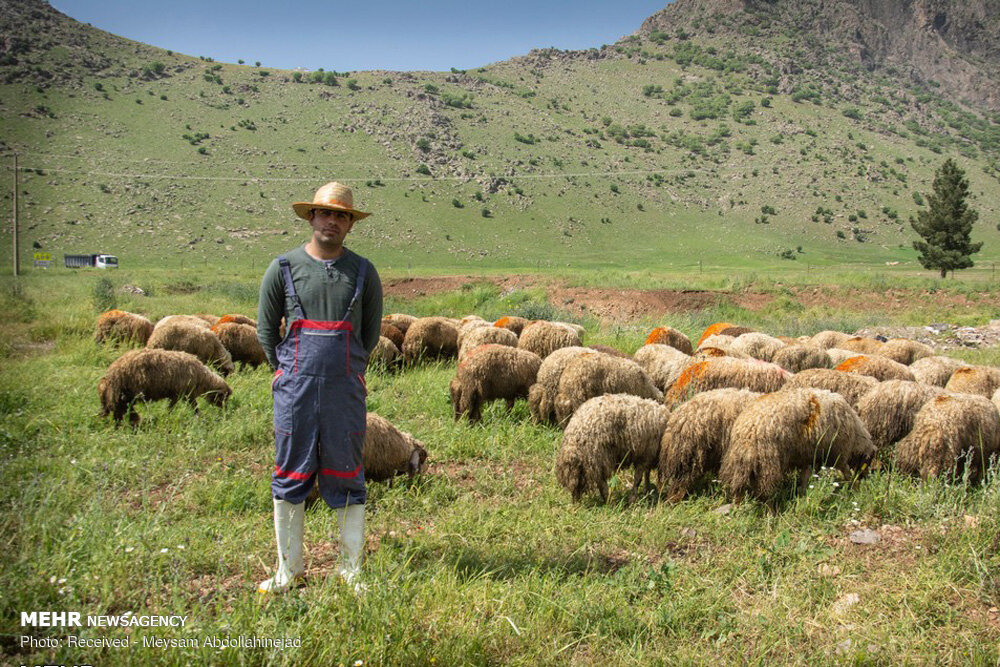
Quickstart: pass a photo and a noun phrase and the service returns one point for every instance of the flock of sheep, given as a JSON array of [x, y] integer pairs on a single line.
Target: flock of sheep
[[741, 406]]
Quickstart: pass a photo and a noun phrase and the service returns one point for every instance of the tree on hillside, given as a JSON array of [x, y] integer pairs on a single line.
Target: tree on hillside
[[946, 224]]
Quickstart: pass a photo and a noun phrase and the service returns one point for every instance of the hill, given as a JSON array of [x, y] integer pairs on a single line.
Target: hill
[[714, 134]]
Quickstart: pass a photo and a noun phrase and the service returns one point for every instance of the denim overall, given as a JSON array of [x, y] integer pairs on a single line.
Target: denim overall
[[319, 405]]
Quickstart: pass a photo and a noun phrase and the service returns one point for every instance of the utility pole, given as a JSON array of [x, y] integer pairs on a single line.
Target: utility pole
[[17, 263]]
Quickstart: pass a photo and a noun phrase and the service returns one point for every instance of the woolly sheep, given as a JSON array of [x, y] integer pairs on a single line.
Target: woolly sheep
[[849, 385], [878, 367], [795, 358], [392, 333], [154, 374], [580, 331], [430, 337], [662, 363], [401, 321], [512, 322], [827, 339], [207, 318], [240, 340], [613, 351], [996, 398], [121, 325], [905, 351], [606, 434], [710, 352], [203, 343], [981, 380], [735, 332], [468, 324], [388, 452], [721, 372], [757, 345], [720, 341], [935, 370], [697, 437], [950, 433], [189, 319], [385, 355], [790, 430], [542, 395], [838, 356], [543, 338], [669, 336], [713, 329], [473, 338], [594, 374], [491, 372], [888, 410], [861, 344], [238, 319]]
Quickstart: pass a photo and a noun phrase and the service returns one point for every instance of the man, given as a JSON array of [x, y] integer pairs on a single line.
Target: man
[[331, 300]]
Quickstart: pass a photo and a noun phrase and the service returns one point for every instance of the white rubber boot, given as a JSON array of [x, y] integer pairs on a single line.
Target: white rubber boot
[[351, 521], [289, 522]]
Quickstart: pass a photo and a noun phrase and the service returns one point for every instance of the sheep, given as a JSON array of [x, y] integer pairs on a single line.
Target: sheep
[[593, 374], [827, 339], [392, 333], [388, 452], [721, 372], [473, 338], [796, 357], [662, 363], [735, 332], [399, 320], [878, 367], [207, 318], [951, 434], [182, 335], [541, 395], [512, 322], [935, 370], [861, 344], [713, 329], [608, 433], [613, 351], [757, 345], [154, 374], [720, 341], [888, 409], [670, 336], [981, 380], [240, 340], [469, 325], [905, 351], [385, 355], [430, 337], [491, 372], [849, 385], [788, 430], [711, 352], [697, 437], [996, 398], [238, 319], [543, 338], [838, 356], [580, 331], [189, 319], [121, 325]]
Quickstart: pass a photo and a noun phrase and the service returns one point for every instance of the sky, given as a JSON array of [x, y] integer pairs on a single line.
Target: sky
[[367, 34]]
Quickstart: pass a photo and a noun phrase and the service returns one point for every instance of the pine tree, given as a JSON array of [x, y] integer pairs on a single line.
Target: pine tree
[[946, 224]]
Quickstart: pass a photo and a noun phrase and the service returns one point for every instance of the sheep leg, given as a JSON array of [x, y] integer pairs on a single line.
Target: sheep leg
[[603, 488], [193, 403], [636, 480], [804, 475], [510, 404], [475, 407]]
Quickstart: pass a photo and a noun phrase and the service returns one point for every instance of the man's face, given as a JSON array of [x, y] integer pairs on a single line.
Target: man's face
[[330, 227]]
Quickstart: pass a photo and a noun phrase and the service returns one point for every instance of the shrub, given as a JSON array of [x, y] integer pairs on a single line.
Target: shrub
[[457, 204], [424, 169], [353, 84], [852, 112]]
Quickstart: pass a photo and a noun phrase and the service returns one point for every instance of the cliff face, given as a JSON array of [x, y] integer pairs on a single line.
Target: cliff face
[[950, 44]]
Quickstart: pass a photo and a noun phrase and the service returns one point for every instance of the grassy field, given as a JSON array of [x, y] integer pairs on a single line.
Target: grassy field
[[484, 560]]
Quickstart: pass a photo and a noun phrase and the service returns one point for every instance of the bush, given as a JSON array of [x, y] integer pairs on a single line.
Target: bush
[[103, 296], [424, 169], [852, 112], [457, 204]]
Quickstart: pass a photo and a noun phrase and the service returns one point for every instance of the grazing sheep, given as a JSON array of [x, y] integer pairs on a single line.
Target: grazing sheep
[[757, 345], [697, 437], [794, 429], [491, 372], [862, 344], [613, 351], [399, 320], [606, 434], [735, 332], [543, 338], [470, 323], [709, 352], [154, 374], [713, 329], [670, 336], [935, 370], [849, 385], [488, 334], [722, 372], [385, 355], [996, 398], [878, 367], [238, 319], [719, 341], [512, 322], [542, 395], [430, 337], [392, 333], [662, 363], [189, 319], [905, 351], [388, 452], [580, 331], [888, 410], [121, 325], [240, 340], [838, 356], [796, 357], [827, 339], [950, 434], [180, 334], [209, 319], [981, 380], [469, 320], [594, 374]]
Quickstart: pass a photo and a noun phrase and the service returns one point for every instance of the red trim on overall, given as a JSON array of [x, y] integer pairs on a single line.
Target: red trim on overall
[[277, 374], [278, 472], [342, 475], [341, 325]]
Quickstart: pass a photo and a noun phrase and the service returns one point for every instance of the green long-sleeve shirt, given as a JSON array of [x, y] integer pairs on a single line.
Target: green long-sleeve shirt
[[325, 293]]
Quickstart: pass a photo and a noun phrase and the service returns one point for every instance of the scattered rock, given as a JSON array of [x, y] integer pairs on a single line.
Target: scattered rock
[[866, 536], [724, 510]]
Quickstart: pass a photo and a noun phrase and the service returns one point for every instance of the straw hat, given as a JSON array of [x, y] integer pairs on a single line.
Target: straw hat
[[333, 196]]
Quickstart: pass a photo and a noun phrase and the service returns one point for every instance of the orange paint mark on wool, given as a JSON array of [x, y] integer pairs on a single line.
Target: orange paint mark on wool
[[689, 375], [712, 352], [853, 363], [657, 336], [813, 417], [714, 329], [502, 322]]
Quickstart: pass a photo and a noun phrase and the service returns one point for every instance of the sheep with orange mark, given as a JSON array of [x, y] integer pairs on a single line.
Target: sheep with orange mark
[[981, 380], [542, 394], [794, 429], [430, 338], [669, 336], [757, 345], [513, 323], [488, 334], [593, 374], [401, 321], [954, 435], [713, 329], [735, 332], [936, 370], [492, 372], [720, 342], [388, 451], [543, 338], [827, 339], [905, 351], [851, 386], [154, 374], [722, 372], [182, 335], [710, 352], [240, 340], [122, 326], [238, 319], [862, 344], [607, 434], [697, 438], [888, 409], [839, 356], [662, 363], [796, 357], [879, 367]]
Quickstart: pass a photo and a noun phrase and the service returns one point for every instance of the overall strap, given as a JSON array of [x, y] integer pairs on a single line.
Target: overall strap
[[286, 274], [358, 286]]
